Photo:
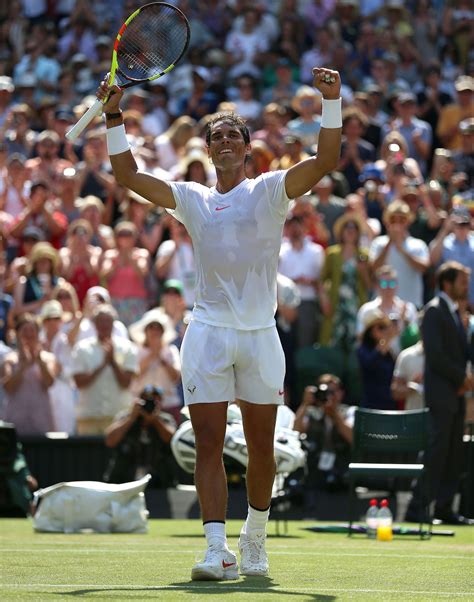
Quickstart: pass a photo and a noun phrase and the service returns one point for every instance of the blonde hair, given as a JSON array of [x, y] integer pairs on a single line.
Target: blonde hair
[[179, 131], [66, 286]]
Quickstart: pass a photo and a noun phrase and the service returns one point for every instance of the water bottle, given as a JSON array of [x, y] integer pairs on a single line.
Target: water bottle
[[371, 519], [384, 522]]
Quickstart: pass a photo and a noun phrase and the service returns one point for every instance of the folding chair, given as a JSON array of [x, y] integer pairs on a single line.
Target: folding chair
[[384, 435]]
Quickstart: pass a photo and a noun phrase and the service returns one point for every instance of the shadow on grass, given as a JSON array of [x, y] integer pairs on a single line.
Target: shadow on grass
[[250, 585], [201, 536]]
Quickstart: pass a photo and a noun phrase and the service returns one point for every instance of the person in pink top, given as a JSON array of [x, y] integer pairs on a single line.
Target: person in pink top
[[124, 271], [27, 374]]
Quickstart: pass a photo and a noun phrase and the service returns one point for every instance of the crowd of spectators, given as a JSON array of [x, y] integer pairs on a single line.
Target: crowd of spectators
[[97, 284]]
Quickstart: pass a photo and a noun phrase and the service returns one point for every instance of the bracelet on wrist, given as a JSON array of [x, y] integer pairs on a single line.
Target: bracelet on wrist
[[113, 115]]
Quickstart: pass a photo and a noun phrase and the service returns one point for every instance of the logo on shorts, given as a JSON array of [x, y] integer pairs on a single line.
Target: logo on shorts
[[192, 388]]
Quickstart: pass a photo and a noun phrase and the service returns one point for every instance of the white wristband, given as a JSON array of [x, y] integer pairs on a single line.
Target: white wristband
[[117, 140], [331, 113]]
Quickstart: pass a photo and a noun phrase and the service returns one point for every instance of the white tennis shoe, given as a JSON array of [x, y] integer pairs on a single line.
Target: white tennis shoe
[[253, 557], [218, 564]]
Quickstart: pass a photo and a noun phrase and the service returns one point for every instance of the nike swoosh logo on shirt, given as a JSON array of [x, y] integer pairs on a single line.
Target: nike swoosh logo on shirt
[[280, 392], [221, 208]]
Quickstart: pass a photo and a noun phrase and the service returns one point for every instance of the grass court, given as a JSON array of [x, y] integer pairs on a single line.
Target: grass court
[[304, 566]]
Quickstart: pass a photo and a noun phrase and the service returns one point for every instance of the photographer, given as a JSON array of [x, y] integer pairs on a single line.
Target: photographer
[[328, 427], [141, 440]]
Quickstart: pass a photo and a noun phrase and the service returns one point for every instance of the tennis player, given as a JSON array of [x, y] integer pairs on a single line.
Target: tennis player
[[231, 350]]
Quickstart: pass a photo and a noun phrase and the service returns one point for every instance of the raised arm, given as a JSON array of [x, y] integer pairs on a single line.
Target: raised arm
[[304, 175], [125, 169]]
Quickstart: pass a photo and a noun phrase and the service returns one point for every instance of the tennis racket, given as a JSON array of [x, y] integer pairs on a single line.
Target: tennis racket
[[149, 44]]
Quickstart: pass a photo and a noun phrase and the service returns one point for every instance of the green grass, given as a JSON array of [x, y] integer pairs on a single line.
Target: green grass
[[304, 566]]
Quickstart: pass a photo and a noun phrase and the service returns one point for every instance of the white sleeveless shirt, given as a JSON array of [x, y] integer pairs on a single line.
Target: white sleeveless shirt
[[236, 238]]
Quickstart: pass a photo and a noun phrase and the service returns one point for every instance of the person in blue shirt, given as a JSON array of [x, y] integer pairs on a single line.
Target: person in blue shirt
[[376, 361]]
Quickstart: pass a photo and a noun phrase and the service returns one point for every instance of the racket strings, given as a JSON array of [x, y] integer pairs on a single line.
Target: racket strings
[[153, 40]]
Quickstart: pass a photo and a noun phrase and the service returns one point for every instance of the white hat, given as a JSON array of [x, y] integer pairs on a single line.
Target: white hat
[[137, 329], [51, 309], [100, 291], [6, 84], [202, 72]]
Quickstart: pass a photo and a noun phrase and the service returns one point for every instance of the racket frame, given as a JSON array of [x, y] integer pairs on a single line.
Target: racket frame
[[116, 76]]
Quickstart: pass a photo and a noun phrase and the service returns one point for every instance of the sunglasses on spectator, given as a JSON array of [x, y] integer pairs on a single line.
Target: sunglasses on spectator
[[125, 233], [63, 296], [380, 327], [399, 219], [387, 283]]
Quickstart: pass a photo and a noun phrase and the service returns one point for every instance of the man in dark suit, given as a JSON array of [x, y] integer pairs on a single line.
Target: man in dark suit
[[446, 381]]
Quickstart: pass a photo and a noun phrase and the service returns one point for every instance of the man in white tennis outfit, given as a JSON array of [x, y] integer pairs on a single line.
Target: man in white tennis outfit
[[231, 349]]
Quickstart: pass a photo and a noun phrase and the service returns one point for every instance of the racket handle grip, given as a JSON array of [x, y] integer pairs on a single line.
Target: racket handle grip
[[84, 121]]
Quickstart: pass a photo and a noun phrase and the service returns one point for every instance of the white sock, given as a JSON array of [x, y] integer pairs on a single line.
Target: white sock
[[256, 521], [215, 534]]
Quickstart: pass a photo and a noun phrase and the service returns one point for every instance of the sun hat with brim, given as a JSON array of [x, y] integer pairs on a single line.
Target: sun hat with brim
[[304, 92], [100, 291], [373, 317], [193, 156], [89, 201], [341, 222], [50, 310], [44, 250], [154, 316], [125, 226]]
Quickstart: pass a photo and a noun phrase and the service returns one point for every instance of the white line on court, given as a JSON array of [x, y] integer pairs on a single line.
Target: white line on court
[[236, 587], [97, 550]]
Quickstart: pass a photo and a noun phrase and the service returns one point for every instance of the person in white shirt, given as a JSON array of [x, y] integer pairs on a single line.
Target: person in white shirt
[[231, 349], [302, 260], [103, 368], [409, 256], [402, 314], [407, 381], [175, 260]]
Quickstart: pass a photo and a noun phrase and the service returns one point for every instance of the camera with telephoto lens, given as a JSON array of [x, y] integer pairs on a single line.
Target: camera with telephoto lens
[[149, 396]]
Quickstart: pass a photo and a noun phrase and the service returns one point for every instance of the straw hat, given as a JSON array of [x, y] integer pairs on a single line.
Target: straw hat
[[346, 218], [89, 201], [156, 315], [44, 250], [373, 317], [194, 155], [305, 92]]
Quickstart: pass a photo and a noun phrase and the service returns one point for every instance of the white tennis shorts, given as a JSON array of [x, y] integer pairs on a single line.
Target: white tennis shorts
[[224, 364]]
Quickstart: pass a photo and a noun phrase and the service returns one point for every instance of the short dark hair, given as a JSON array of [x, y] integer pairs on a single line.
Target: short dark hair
[[448, 272], [231, 119], [39, 184], [330, 379]]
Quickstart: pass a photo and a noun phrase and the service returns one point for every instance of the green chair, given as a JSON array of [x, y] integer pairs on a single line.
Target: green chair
[[383, 442]]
